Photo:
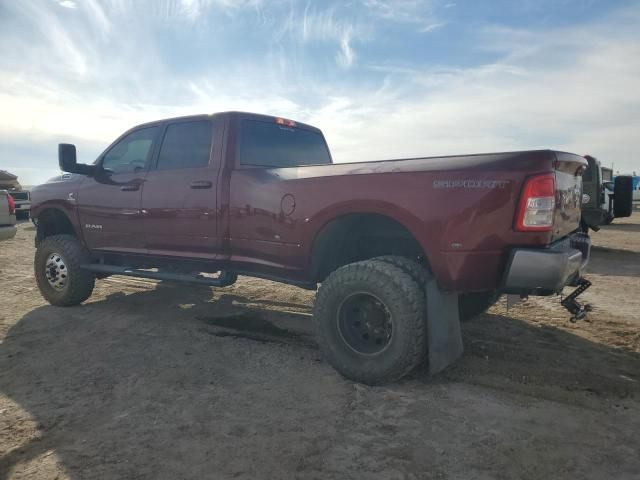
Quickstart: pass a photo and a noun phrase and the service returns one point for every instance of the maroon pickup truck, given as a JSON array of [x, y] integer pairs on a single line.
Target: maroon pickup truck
[[401, 249]]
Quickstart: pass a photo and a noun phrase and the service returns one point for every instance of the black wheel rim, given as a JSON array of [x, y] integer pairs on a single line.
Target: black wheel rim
[[365, 323]]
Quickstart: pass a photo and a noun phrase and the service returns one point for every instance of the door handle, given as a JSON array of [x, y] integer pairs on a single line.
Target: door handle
[[130, 188], [201, 184]]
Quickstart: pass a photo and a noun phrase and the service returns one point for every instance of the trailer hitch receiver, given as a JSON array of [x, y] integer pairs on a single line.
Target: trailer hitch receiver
[[577, 310]]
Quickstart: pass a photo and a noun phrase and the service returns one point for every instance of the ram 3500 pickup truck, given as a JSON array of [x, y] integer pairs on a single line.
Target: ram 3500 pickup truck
[[401, 249]]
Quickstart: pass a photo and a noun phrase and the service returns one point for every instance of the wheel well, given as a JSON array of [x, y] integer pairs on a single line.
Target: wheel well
[[360, 236], [53, 222]]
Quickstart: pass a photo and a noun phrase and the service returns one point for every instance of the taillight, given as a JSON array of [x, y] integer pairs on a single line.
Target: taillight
[[12, 205], [537, 203]]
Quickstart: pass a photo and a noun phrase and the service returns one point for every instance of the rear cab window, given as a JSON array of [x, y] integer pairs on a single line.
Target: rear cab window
[[186, 145], [269, 144]]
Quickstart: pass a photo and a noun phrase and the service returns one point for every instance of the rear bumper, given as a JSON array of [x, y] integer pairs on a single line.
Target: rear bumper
[[7, 232], [542, 272]]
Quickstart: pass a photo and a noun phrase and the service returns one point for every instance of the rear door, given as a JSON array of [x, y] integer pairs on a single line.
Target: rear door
[[179, 204], [109, 204]]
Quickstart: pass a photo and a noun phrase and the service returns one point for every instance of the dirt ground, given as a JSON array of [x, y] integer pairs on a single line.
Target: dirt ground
[[153, 380]]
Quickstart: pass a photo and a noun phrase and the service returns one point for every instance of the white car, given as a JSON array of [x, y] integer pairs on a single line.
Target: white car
[[7, 216]]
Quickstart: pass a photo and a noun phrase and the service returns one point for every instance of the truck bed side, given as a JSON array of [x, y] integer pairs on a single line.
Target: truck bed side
[[460, 209]]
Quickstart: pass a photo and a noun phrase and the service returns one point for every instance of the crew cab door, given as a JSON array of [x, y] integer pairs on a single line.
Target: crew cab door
[[109, 203], [179, 196]]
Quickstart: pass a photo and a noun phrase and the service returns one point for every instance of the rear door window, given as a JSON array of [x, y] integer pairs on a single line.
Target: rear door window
[[270, 144], [186, 145]]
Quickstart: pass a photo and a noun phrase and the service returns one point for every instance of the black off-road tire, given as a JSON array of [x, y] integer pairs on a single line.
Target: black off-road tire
[[623, 196], [79, 283], [471, 305], [402, 297], [418, 272]]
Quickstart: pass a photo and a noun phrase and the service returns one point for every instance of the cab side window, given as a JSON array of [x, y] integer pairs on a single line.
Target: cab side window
[[132, 153], [186, 145]]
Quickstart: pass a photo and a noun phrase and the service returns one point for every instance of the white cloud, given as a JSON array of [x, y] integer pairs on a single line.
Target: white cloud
[[326, 25], [97, 15], [432, 26], [589, 105], [420, 13], [67, 4], [194, 10]]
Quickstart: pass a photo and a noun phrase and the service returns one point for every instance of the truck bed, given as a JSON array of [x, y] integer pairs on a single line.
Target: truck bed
[[460, 208]]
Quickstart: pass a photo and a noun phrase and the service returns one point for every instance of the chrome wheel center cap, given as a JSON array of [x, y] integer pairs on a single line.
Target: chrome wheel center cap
[[56, 271]]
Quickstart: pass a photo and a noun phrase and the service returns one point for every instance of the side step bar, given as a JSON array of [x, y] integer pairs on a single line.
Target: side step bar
[[224, 280]]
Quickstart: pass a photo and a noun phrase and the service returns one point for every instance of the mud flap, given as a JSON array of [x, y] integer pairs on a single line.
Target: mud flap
[[444, 335]]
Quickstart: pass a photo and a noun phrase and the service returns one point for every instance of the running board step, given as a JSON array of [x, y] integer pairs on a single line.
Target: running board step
[[224, 280]]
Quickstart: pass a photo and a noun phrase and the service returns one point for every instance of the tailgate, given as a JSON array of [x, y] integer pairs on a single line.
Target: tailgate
[[568, 208]]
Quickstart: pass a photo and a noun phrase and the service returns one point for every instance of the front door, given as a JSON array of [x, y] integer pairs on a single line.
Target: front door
[[179, 195], [109, 203]]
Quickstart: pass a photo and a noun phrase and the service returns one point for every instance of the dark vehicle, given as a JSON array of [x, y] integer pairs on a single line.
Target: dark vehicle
[[401, 248], [606, 198], [22, 200]]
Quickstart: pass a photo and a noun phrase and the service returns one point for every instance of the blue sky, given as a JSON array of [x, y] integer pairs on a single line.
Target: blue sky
[[382, 79]]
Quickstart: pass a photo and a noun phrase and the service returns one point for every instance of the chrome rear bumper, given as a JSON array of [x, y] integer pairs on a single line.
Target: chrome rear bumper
[[545, 271]]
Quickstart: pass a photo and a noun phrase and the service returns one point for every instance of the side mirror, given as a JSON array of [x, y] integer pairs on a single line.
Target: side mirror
[[69, 163], [67, 157]]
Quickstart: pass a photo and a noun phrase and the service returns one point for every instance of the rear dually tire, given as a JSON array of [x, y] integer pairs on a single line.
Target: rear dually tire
[[472, 305], [370, 322]]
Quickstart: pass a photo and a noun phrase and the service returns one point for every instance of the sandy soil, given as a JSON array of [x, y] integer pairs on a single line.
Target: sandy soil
[[153, 380]]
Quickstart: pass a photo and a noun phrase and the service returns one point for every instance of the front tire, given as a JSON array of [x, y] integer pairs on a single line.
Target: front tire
[[60, 279], [370, 322]]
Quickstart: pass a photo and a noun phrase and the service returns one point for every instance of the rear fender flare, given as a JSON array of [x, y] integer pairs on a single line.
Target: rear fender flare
[[323, 220]]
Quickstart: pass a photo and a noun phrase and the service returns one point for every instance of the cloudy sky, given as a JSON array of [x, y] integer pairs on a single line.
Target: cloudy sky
[[382, 79]]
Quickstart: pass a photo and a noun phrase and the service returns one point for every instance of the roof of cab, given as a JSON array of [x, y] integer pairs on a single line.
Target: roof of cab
[[231, 113]]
